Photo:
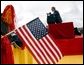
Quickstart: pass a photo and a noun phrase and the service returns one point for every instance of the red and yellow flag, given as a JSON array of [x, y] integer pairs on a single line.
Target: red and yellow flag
[[8, 16]]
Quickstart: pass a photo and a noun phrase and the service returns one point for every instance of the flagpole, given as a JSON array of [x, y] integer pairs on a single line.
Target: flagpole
[[8, 33]]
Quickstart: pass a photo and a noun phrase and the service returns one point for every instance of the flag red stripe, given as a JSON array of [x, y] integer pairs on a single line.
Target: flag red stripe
[[34, 43], [54, 55], [54, 44], [50, 57], [53, 47], [43, 50], [31, 51], [27, 47], [20, 37], [42, 47], [47, 50], [50, 51]]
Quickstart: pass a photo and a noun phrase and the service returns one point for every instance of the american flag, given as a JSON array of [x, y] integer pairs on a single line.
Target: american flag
[[39, 42]]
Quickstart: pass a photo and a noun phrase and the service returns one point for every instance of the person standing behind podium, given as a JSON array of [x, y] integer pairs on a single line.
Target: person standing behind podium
[[54, 18], [56, 15]]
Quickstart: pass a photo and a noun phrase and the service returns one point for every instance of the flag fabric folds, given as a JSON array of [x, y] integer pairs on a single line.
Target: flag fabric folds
[[10, 55], [38, 41], [8, 17], [22, 56], [6, 51], [7, 25]]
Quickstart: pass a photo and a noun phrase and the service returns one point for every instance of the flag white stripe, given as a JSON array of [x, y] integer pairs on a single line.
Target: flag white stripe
[[39, 45], [47, 49], [54, 45], [34, 46], [38, 49], [51, 49], [30, 46]]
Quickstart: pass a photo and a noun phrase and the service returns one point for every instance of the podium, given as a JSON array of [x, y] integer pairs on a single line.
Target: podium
[[63, 35], [62, 30]]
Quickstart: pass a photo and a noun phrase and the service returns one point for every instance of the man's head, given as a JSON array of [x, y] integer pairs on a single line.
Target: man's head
[[53, 9]]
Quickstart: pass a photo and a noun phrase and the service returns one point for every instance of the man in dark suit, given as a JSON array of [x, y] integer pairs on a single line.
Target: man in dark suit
[[54, 18]]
